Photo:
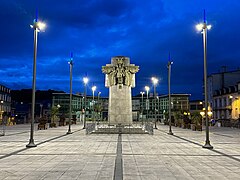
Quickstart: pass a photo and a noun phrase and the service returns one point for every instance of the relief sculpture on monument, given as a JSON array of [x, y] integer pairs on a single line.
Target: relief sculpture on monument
[[120, 73]]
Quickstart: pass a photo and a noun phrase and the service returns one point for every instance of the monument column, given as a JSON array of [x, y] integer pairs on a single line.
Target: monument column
[[120, 78]]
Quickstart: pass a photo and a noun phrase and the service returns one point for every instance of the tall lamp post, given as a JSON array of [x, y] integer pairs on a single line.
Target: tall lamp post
[[37, 27], [155, 81], [85, 81], [70, 98], [93, 90], [41, 106], [147, 101], [169, 95], [98, 106], [203, 27], [142, 93]]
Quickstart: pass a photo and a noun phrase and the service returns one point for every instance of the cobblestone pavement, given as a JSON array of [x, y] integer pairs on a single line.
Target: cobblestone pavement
[[113, 156]]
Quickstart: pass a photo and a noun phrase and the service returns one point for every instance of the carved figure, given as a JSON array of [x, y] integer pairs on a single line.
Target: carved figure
[[120, 73]]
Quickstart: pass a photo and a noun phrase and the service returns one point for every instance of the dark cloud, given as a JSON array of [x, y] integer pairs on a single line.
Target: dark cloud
[[96, 30]]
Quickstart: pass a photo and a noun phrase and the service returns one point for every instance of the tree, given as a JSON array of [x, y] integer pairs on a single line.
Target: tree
[[54, 112], [196, 118]]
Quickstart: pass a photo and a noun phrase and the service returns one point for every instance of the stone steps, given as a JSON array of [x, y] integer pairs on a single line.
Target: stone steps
[[117, 130]]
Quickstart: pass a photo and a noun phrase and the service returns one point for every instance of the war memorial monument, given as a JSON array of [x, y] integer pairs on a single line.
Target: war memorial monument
[[120, 78]]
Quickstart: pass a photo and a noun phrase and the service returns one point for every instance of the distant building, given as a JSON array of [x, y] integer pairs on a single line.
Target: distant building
[[222, 86], [5, 101], [22, 101], [226, 103], [61, 100], [157, 107], [179, 102], [196, 106]]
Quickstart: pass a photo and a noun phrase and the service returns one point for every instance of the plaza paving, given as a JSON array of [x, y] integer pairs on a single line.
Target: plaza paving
[[113, 156]]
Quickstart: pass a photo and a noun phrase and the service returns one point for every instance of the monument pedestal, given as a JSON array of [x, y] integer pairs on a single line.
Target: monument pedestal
[[120, 105]]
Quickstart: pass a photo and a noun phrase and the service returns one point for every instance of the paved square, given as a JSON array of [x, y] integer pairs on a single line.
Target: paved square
[[113, 156]]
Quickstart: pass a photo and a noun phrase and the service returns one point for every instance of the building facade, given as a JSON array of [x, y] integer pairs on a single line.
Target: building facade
[[223, 93], [5, 101], [179, 102], [226, 103], [99, 107], [196, 106]]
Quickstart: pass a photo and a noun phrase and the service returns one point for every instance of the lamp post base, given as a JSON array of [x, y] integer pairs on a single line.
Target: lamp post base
[[69, 132], [155, 125], [31, 144], [170, 133], [207, 146], [84, 124]]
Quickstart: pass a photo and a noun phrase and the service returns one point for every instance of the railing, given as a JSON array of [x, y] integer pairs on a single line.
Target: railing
[[229, 123], [90, 127], [134, 128]]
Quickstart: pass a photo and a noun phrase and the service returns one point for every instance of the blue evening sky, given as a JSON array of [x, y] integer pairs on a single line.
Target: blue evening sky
[[95, 30]]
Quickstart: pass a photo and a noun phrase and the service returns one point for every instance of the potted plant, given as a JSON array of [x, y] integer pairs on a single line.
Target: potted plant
[[54, 112], [62, 120], [178, 119], [42, 123], [196, 123], [166, 122]]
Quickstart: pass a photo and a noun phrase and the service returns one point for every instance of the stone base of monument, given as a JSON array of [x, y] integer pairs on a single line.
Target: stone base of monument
[[122, 129]]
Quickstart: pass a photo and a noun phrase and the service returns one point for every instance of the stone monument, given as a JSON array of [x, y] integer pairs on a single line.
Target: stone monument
[[120, 78]]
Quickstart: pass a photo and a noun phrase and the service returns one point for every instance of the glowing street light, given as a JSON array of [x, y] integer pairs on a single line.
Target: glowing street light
[[203, 27], [93, 90], [70, 98], [98, 103], [155, 82], [37, 27], [99, 95], [142, 93], [147, 101], [169, 95], [85, 81]]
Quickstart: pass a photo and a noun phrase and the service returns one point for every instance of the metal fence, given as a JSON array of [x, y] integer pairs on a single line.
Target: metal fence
[[3, 127], [228, 123]]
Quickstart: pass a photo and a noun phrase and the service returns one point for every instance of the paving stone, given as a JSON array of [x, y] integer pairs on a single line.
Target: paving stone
[[81, 156]]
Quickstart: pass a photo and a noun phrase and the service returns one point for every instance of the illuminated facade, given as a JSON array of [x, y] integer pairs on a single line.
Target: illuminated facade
[[157, 107], [196, 106], [61, 100], [226, 103], [223, 94]]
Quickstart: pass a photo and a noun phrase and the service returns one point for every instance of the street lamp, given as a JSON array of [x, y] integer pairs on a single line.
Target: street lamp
[[158, 106], [70, 97], [99, 95], [93, 90], [98, 110], [147, 101], [203, 27], [37, 27], [142, 93], [169, 95], [85, 81], [155, 81], [3, 118], [41, 106]]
